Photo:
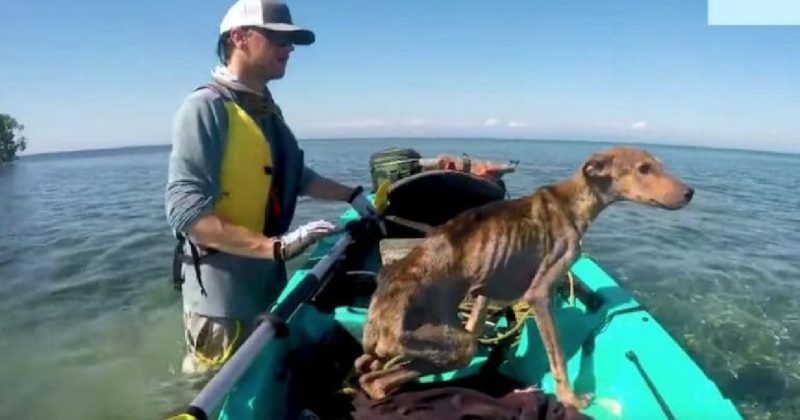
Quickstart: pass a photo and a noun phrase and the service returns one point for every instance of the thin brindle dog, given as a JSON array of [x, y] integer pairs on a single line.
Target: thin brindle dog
[[503, 251]]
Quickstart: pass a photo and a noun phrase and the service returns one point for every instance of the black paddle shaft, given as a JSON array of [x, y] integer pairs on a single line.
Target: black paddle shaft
[[633, 358]]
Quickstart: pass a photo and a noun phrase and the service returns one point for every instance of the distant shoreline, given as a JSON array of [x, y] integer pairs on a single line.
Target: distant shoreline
[[151, 147]]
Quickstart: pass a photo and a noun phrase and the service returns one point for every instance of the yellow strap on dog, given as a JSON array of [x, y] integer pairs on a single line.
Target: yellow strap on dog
[[395, 362], [523, 311]]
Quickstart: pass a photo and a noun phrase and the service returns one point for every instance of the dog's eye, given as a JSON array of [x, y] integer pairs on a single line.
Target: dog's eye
[[645, 168]]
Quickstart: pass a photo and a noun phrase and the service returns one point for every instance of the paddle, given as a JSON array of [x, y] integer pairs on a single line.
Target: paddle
[[380, 202]]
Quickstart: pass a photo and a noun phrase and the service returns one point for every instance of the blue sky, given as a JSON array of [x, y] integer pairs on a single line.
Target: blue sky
[[95, 74]]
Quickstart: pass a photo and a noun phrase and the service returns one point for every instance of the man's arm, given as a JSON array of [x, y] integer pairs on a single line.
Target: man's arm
[[198, 143], [214, 232], [317, 186]]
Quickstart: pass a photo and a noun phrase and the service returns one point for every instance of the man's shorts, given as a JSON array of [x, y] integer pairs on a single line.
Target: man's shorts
[[211, 341]]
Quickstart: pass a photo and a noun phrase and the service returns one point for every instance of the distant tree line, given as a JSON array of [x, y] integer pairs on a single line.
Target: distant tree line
[[11, 141]]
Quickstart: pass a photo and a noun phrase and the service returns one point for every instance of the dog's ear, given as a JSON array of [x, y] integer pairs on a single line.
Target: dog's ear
[[598, 166]]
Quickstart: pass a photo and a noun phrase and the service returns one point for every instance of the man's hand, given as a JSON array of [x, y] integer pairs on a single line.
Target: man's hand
[[295, 242], [326, 189], [361, 204], [358, 200], [211, 231]]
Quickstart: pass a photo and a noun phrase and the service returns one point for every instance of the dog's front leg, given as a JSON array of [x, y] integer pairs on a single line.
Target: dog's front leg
[[538, 296]]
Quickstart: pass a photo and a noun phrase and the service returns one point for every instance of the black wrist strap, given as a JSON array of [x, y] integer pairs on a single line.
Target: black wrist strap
[[277, 250]]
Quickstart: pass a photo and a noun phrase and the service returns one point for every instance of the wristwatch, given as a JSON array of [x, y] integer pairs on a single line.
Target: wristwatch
[[277, 250]]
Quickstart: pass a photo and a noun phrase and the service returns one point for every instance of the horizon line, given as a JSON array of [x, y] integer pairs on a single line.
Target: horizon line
[[365, 138]]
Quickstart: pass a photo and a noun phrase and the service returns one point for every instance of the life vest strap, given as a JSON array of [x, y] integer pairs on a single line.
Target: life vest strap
[[195, 260]]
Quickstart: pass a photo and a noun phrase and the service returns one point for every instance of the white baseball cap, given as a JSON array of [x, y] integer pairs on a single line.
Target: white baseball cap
[[269, 14]]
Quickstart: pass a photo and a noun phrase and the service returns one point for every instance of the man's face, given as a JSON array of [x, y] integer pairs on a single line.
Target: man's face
[[265, 52]]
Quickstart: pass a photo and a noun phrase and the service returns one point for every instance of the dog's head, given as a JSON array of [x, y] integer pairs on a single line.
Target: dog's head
[[635, 175]]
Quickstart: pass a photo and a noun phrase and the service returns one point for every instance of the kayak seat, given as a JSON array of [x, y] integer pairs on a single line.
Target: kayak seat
[[431, 198]]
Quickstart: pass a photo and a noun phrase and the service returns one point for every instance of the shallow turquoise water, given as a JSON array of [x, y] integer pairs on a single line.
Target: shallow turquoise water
[[91, 327]]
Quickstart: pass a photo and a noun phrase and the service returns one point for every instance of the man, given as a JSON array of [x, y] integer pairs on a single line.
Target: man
[[235, 172]]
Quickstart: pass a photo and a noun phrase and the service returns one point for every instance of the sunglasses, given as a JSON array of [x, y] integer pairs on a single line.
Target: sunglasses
[[279, 39]]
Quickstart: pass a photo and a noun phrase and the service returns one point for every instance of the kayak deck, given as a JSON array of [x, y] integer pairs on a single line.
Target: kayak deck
[[621, 327], [663, 382]]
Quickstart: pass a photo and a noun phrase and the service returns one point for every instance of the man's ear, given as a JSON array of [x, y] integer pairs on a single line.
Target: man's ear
[[597, 166], [237, 36]]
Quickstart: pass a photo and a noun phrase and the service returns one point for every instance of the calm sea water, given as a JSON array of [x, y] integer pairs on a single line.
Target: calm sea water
[[91, 328]]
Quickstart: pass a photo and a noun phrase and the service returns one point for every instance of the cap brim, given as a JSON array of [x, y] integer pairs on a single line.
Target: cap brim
[[299, 35]]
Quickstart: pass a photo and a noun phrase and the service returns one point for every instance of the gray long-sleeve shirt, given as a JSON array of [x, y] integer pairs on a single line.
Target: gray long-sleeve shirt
[[237, 287]]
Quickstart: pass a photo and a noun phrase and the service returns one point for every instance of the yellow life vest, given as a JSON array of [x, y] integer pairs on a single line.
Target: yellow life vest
[[246, 172]]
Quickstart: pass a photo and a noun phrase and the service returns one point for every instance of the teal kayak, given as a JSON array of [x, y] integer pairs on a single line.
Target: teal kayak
[[301, 355]]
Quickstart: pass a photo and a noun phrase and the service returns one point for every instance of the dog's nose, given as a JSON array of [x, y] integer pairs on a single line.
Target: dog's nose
[[688, 194]]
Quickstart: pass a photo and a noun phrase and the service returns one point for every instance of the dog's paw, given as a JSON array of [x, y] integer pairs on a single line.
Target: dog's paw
[[376, 365], [576, 401], [373, 392], [365, 364], [371, 385]]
